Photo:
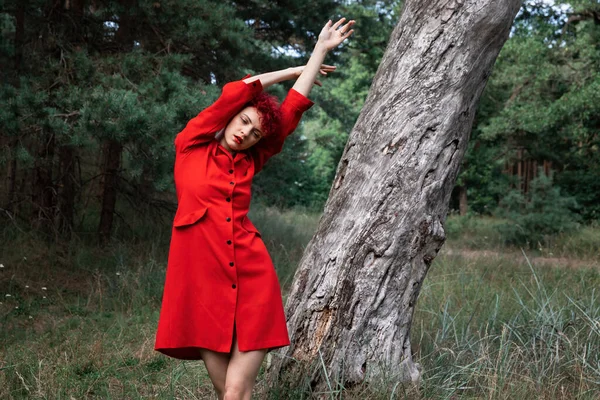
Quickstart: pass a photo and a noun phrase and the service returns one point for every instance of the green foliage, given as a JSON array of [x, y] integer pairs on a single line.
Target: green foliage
[[542, 99], [542, 212], [134, 73]]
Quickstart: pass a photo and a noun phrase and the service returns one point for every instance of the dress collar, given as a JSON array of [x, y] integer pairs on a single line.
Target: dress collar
[[218, 148]]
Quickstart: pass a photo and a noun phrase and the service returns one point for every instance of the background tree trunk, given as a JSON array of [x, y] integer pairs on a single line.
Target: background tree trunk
[[110, 180], [354, 292], [43, 191], [67, 191], [462, 200]]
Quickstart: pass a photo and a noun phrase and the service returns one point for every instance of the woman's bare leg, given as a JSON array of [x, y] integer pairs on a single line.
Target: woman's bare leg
[[216, 364], [242, 372]]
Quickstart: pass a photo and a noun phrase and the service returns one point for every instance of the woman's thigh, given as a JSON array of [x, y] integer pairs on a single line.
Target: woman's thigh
[[216, 364], [244, 367]]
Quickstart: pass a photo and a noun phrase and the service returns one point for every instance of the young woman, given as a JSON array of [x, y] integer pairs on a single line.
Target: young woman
[[222, 300]]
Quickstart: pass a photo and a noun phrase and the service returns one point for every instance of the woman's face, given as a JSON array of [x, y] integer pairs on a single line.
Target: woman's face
[[243, 131]]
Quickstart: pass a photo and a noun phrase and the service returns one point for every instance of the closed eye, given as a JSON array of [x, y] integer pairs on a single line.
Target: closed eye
[[255, 131]]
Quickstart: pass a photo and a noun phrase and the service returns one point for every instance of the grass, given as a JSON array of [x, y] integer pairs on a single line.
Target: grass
[[77, 322]]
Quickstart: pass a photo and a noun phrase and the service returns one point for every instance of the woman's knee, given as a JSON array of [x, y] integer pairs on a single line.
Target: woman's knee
[[237, 389]]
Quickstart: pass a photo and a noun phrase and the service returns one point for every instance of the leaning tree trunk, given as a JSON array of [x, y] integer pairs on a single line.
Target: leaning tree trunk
[[353, 296]]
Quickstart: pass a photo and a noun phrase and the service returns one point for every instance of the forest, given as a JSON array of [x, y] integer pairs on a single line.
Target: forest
[[93, 94]]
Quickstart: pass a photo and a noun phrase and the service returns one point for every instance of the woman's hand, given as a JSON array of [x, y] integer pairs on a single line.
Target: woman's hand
[[323, 70], [331, 37]]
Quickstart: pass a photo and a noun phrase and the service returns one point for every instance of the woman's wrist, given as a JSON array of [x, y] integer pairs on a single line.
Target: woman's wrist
[[321, 48]]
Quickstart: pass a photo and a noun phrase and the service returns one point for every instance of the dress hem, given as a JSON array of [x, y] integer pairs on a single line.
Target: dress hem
[[192, 353]]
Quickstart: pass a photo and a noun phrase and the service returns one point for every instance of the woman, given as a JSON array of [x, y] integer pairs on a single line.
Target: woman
[[222, 300]]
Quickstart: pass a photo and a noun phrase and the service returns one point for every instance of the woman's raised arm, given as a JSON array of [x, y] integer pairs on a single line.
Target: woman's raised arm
[[329, 38], [270, 78]]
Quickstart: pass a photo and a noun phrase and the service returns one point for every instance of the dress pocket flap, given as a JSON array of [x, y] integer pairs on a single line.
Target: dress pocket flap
[[189, 218], [249, 226]]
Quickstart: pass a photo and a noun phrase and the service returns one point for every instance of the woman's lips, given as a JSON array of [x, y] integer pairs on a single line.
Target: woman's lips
[[237, 140]]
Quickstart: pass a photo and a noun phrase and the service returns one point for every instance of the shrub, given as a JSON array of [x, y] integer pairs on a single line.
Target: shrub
[[540, 213]]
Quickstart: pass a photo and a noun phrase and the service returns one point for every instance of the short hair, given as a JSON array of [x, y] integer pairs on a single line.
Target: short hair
[[268, 106]]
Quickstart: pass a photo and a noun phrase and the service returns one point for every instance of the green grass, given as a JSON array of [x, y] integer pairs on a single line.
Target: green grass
[[482, 232], [493, 325]]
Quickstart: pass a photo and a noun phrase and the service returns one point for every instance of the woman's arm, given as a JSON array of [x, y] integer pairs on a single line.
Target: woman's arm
[[297, 101], [202, 128], [329, 38], [270, 78]]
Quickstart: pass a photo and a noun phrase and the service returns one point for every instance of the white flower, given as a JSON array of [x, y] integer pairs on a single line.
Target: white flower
[[25, 258], [26, 286], [1, 265], [43, 297], [16, 306], [7, 295], [30, 317], [118, 274], [44, 288]]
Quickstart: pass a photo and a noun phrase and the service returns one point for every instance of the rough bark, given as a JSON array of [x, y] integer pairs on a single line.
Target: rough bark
[[351, 303]]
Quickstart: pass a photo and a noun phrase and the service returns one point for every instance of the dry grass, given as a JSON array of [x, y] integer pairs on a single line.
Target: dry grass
[[488, 324]]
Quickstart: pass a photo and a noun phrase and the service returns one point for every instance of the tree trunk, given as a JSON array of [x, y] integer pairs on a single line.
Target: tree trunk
[[110, 177], [11, 177], [462, 200], [43, 192], [113, 148], [67, 187], [351, 303]]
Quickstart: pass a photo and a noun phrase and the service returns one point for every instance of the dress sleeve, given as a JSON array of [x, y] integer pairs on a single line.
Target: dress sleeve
[[292, 108], [203, 127]]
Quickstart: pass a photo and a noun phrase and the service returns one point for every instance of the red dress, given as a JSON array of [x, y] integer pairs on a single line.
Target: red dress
[[219, 271]]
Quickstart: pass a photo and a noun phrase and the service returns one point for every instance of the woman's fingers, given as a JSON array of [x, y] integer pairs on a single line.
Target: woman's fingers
[[337, 24], [344, 30], [327, 68]]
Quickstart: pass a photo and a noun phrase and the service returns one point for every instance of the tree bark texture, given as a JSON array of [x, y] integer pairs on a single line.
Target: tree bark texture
[[351, 303]]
